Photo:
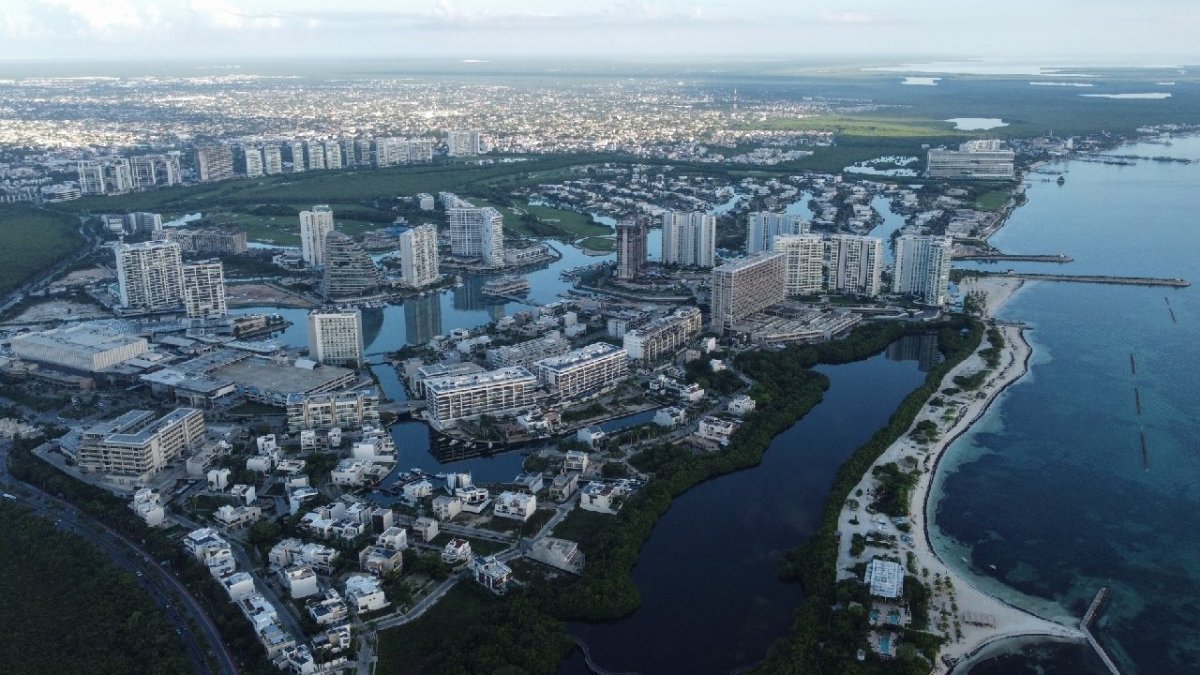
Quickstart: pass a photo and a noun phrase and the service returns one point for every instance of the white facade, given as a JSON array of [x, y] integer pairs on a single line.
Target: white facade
[[83, 347], [855, 264], [664, 336], [419, 256], [335, 338], [979, 160], [689, 239], [717, 430], [762, 227], [314, 225], [502, 391], [464, 143], [477, 233], [584, 371], [516, 506], [804, 257], [204, 290], [364, 593], [745, 286], [301, 581], [150, 275], [137, 445], [922, 268]]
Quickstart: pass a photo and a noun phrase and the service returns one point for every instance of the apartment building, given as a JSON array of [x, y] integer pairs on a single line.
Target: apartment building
[[133, 447], [527, 352], [419, 256], [349, 270], [477, 233], [663, 337], [689, 239], [204, 289], [632, 235], [762, 227], [463, 397], [975, 160], [208, 241], [804, 261], [584, 371], [214, 163], [335, 338], [344, 410], [463, 143], [745, 286], [149, 275], [922, 267], [855, 264], [314, 225]]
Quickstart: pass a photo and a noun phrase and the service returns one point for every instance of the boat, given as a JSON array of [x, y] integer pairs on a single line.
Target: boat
[[1061, 180], [506, 286]]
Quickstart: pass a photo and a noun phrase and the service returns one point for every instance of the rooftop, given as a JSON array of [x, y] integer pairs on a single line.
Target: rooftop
[[502, 375]]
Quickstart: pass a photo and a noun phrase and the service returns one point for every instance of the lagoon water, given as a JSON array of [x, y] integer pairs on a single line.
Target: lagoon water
[[1051, 488]]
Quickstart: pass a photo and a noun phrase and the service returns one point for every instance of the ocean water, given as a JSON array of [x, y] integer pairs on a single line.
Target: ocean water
[[1051, 496]]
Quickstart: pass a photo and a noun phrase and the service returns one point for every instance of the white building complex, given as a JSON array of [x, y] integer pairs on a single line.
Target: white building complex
[[979, 160], [314, 225], [463, 397], [527, 352], [689, 239], [464, 143], [83, 347], [855, 264], [922, 267], [804, 259], [335, 338], [343, 410], [419, 256], [664, 336], [745, 286], [763, 226], [477, 233], [133, 447], [214, 162], [204, 289], [584, 371], [149, 275]]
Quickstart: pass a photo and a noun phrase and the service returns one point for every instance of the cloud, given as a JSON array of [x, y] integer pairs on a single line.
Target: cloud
[[223, 15], [109, 20], [849, 18]]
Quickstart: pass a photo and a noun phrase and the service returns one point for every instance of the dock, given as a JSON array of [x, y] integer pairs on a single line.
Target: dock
[[1093, 279], [1085, 625], [1016, 257]]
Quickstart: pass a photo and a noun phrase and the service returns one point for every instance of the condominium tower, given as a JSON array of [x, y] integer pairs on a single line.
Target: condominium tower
[[418, 256], [804, 258], [663, 337], [204, 289], [747, 285], [463, 143], [149, 275], [584, 371], [855, 264], [477, 233], [762, 227], [314, 225], [632, 234], [349, 270], [214, 162], [922, 267], [335, 338], [689, 239]]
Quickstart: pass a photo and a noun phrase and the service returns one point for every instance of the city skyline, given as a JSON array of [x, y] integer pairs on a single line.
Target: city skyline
[[1117, 33]]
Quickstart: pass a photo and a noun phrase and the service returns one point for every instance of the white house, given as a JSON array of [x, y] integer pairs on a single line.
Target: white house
[[349, 472], [574, 460], [260, 463], [365, 594], [147, 505], [417, 491], [447, 508], [741, 405], [243, 493], [516, 505], [456, 551], [426, 529], [238, 586], [604, 497], [299, 496], [592, 436], [301, 581], [670, 417], [563, 486], [237, 517], [717, 430], [393, 537], [491, 573], [218, 479], [328, 609], [379, 559]]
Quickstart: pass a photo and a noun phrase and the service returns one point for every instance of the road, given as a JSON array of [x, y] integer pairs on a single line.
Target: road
[[164, 589]]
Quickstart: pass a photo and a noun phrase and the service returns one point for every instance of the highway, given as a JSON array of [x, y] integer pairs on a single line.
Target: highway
[[166, 591]]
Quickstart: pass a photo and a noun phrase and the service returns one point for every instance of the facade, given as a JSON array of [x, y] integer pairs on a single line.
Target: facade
[[491, 573], [978, 160], [150, 275], [345, 410], [885, 577], [922, 267], [716, 429], [762, 227], [804, 257], [349, 270], [135, 446], [149, 171], [314, 225], [689, 239], [516, 506], [252, 161], [632, 234], [296, 150], [204, 289], [214, 163], [664, 336], [528, 352], [477, 233], [495, 392], [82, 347], [855, 264], [419, 256], [315, 155], [745, 286], [335, 338], [272, 159], [333, 155], [463, 143], [208, 241], [584, 371]]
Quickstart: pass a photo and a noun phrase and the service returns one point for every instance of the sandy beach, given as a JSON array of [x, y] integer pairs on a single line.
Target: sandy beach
[[993, 291], [968, 617]]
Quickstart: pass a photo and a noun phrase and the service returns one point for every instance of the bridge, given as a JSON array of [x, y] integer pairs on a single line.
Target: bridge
[[1093, 279], [402, 407]]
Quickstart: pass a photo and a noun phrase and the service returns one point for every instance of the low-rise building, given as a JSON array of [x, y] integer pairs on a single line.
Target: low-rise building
[[663, 337], [717, 430], [585, 371], [464, 397], [886, 578], [563, 486], [604, 497], [238, 585], [491, 574], [516, 506], [446, 507], [417, 490], [349, 472], [575, 460], [592, 436], [328, 609], [558, 553], [365, 594], [237, 517], [426, 529], [670, 417], [379, 560], [148, 506], [135, 446], [345, 410], [741, 405], [456, 551], [529, 482], [301, 581]]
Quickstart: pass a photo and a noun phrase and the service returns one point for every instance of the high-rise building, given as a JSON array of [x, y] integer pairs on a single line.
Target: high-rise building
[[477, 233], [855, 264], [315, 154], [144, 170], [689, 239], [272, 159], [664, 336], [314, 225], [335, 338], [349, 271], [420, 150], [464, 143], [171, 174], [922, 267], [204, 289], [348, 152], [214, 162], [296, 150], [118, 176], [333, 155], [253, 161], [143, 221], [418, 256], [91, 178], [763, 226], [978, 160], [804, 257], [390, 151], [208, 241], [362, 147], [632, 234], [149, 275], [744, 286], [422, 318]]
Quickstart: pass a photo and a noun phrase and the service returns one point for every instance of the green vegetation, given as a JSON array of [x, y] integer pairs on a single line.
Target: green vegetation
[[993, 200], [571, 222], [895, 486], [823, 639], [605, 244], [32, 241], [52, 572], [856, 125]]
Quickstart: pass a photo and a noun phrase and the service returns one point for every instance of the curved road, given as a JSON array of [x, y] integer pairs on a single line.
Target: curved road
[[167, 592]]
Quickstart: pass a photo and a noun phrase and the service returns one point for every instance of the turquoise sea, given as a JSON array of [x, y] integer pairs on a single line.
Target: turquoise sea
[[1050, 496]]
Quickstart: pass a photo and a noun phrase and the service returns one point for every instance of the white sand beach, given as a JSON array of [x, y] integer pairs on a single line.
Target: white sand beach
[[967, 616]]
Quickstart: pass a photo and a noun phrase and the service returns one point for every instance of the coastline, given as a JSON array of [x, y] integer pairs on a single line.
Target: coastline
[[958, 597]]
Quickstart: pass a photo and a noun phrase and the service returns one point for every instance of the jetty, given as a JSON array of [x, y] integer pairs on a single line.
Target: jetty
[[1016, 257], [1092, 279], [1085, 625]]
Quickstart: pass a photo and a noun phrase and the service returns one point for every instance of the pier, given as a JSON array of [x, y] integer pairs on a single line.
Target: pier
[[1016, 257], [1085, 625], [1093, 279]]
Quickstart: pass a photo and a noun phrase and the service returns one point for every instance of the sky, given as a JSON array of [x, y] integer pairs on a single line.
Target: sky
[[1114, 31]]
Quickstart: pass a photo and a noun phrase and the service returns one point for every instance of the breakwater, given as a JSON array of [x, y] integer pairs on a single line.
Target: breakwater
[[1093, 279]]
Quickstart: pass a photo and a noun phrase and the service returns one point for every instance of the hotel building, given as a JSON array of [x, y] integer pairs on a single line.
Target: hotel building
[[855, 264], [977, 160], [335, 338], [762, 227], [418, 256], [477, 233], [922, 267], [135, 446], [314, 225], [804, 258], [149, 275], [663, 337], [689, 239], [745, 286]]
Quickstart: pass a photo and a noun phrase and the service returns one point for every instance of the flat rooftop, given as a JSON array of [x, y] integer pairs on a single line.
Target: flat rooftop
[[500, 376], [282, 378]]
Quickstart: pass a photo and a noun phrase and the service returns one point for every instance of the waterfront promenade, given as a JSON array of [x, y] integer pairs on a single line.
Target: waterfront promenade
[[981, 618]]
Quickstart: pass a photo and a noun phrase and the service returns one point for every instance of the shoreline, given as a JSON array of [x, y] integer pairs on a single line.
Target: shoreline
[[1007, 621]]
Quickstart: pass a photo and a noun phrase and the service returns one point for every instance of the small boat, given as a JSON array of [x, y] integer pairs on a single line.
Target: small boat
[[1061, 180]]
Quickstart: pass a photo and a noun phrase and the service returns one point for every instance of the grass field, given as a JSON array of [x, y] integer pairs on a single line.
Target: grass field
[[993, 200], [571, 222], [875, 127], [31, 240], [598, 243]]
